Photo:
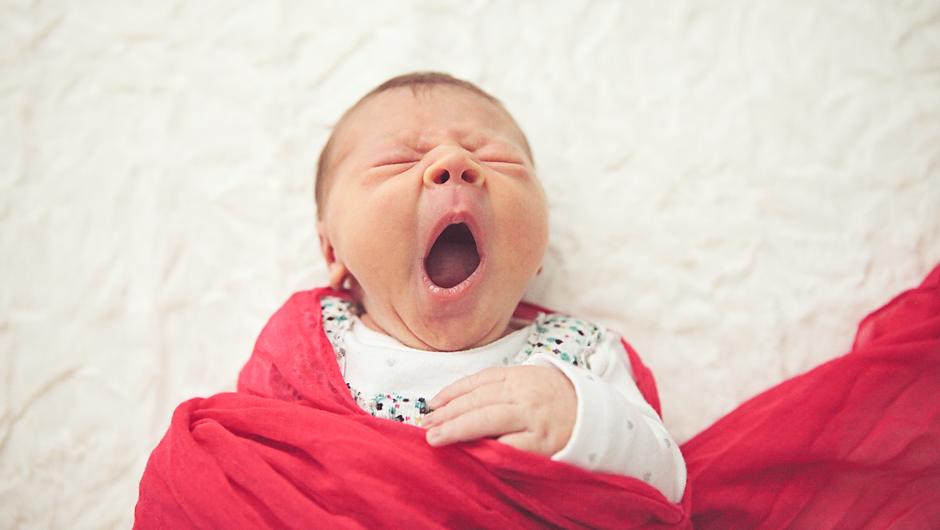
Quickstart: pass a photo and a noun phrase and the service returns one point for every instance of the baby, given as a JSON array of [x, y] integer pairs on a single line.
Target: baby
[[431, 216]]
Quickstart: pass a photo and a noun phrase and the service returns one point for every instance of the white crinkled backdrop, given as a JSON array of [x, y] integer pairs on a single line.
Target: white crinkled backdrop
[[734, 185]]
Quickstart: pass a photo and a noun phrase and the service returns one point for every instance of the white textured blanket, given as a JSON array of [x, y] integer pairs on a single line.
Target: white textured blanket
[[733, 185]]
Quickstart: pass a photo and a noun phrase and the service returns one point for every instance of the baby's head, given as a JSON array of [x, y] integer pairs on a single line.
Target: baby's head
[[430, 212]]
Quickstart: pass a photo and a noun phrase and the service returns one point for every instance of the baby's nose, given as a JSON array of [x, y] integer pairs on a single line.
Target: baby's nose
[[454, 167]]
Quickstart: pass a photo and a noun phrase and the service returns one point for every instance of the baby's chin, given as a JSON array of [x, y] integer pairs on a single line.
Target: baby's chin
[[450, 343], [448, 337]]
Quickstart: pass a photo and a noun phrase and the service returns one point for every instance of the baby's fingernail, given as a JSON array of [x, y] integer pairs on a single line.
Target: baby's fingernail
[[433, 435], [427, 421]]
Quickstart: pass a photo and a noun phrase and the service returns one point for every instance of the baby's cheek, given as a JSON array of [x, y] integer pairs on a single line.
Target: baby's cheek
[[385, 233], [528, 239]]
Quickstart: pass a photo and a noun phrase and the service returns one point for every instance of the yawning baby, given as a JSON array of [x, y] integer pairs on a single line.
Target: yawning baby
[[432, 218]]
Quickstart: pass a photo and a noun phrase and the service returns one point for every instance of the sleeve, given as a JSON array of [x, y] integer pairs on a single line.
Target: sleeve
[[616, 431]]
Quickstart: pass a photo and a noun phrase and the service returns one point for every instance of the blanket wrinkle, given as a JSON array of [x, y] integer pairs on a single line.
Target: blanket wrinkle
[[854, 443]]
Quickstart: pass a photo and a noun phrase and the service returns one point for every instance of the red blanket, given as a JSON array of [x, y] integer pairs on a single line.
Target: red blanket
[[852, 444]]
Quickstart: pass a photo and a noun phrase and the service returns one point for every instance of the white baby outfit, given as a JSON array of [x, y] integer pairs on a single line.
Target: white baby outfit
[[616, 430]]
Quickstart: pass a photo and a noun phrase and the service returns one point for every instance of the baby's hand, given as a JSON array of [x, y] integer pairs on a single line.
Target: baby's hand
[[532, 408]]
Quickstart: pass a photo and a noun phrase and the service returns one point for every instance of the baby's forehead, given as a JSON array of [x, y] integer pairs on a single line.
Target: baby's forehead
[[382, 112]]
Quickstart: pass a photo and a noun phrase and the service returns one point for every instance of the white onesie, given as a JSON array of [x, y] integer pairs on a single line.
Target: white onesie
[[616, 430]]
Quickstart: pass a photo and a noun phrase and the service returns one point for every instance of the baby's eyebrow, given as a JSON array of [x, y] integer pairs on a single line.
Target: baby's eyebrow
[[470, 140]]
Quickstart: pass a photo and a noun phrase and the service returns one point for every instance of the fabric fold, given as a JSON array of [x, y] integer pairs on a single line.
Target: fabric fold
[[854, 443]]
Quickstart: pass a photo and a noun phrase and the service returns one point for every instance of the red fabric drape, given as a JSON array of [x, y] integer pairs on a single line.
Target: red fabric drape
[[854, 443], [292, 449]]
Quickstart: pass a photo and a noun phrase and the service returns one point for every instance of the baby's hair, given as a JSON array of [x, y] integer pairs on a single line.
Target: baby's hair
[[417, 81]]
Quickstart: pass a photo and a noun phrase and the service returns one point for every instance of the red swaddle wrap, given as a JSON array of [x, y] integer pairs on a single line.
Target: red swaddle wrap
[[293, 450], [854, 443]]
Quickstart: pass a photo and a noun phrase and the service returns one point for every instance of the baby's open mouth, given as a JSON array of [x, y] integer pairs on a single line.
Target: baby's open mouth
[[453, 258]]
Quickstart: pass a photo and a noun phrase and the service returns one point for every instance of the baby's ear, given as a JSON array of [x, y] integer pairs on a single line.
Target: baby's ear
[[338, 275], [337, 269]]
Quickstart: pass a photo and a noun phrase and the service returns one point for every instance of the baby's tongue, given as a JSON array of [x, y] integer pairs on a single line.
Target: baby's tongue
[[453, 258]]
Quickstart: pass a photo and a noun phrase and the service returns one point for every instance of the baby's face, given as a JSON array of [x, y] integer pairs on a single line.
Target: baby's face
[[435, 216]]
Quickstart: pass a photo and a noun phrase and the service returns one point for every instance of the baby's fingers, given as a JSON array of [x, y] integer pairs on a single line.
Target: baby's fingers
[[481, 397], [466, 385], [492, 421]]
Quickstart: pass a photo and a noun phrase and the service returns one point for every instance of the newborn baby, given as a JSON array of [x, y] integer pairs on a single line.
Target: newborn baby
[[432, 218], [433, 222]]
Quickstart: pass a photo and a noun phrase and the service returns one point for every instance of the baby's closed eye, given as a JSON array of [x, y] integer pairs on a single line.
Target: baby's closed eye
[[500, 157], [395, 164], [401, 163], [394, 155], [505, 167]]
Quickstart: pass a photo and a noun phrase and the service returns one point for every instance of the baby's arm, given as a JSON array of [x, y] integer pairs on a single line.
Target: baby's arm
[[617, 431], [608, 426]]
